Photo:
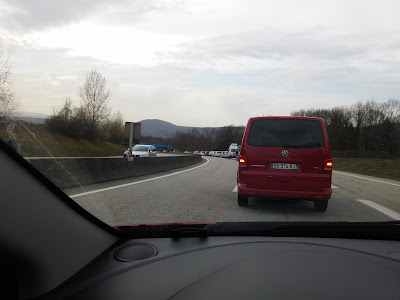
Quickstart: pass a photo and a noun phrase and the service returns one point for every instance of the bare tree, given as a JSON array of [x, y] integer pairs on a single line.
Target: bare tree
[[8, 102], [94, 95], [391, 110], [227, 135], [114, 128]]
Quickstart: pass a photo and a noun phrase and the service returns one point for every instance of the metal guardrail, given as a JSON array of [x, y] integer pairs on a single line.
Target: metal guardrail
[[73, 172]]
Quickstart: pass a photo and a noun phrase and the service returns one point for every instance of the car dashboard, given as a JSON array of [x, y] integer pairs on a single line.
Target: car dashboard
[[239, 268]]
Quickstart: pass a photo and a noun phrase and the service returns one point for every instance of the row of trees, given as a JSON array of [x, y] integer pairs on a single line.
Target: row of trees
[[91, 120], [364, 129], [202, 138]]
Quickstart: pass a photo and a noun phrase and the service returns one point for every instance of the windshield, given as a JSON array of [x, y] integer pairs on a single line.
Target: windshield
[[140, 148], [286, 133], [260, 111]]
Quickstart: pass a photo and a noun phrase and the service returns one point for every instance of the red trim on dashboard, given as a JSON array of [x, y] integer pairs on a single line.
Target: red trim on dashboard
[[167, 224]]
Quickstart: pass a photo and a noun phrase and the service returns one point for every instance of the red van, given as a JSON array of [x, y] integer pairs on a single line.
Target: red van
[[288, 157]]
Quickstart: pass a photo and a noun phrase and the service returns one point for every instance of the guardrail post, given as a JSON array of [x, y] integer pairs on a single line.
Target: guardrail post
[[129, 156]]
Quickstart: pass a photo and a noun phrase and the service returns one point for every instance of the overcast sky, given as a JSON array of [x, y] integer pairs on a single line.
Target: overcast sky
[[204, 63]]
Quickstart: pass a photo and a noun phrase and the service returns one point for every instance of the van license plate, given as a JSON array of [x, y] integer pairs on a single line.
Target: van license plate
[[284, 166]]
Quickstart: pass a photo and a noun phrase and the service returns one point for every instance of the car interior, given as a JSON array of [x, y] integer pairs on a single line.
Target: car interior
[[51, 248]]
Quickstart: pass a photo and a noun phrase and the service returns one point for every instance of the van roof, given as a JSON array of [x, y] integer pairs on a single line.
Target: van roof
[[286, 117]]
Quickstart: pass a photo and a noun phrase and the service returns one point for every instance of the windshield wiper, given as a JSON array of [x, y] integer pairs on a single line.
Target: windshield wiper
[[174, 230], [356, 230], [189, 232], [360, 230]]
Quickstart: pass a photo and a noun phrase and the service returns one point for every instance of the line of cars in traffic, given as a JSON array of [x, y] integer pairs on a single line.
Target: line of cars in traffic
[[223, 154], [287, 157], [141, 150], [202, 153], [232, 152]]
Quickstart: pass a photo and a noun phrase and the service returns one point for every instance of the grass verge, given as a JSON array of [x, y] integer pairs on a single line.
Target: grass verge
[[384, 168], [37, 141]]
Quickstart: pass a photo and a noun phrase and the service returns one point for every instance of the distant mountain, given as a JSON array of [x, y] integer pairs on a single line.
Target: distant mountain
[[31, 117], [32, 120], [160, 128], [150, 127]]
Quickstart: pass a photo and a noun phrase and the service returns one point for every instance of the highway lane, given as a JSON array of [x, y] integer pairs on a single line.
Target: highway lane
[[205, 193]]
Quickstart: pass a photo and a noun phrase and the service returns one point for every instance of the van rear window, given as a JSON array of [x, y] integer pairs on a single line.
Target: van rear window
[[287, 133]]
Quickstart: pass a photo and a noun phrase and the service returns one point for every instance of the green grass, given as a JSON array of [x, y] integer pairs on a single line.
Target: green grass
[[37, 141], [384, 168]]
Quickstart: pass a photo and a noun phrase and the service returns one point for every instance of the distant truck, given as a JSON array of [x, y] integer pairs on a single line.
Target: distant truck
[[233, 148]]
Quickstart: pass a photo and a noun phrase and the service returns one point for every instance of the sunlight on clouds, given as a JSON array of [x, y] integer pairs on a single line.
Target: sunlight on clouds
[[113, 44]]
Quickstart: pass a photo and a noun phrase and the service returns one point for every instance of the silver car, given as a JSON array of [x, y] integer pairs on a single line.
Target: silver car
[[142, 151]]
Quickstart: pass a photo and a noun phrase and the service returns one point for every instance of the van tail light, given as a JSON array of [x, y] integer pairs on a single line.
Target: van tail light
[[328, 165], [242, 162]]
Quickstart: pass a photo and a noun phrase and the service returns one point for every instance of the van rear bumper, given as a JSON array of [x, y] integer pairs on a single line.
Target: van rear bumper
[[326, 193]]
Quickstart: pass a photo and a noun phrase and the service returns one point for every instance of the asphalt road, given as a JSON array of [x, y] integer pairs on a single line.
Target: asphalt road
[[206, 192]]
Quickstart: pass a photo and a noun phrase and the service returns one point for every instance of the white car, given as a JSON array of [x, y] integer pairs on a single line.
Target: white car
[[233, 148], [142, 151]]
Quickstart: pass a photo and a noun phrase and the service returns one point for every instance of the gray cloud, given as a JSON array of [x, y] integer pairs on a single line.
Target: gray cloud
[[267, 44], [31, 15], [25, 16]]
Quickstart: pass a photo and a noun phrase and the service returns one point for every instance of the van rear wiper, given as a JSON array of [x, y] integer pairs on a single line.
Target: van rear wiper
[[293, 146], [309, 145]]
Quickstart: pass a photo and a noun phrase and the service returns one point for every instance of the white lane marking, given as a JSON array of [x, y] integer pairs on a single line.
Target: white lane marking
[[395, 184], [81, 157], [70, 157], [386, 211], [136, 182], [334, 186]]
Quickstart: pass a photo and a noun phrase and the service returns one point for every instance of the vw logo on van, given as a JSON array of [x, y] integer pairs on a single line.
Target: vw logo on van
[[285, 153]]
